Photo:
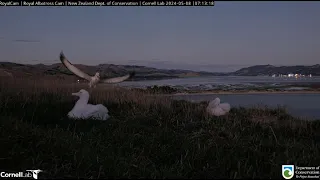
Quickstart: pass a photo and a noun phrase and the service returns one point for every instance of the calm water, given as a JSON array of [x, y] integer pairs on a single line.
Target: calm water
[[300, 105], [223, 80]]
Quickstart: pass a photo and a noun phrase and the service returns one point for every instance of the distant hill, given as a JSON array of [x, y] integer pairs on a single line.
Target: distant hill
[[106, 70], [268, 70], [58, 71]]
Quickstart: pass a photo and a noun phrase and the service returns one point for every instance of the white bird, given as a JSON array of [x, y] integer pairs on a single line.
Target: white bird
[[83, 110], [216, 109], [93, 80]]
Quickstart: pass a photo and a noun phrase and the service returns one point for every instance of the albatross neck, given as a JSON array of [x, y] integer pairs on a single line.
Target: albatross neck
[[82, 101]]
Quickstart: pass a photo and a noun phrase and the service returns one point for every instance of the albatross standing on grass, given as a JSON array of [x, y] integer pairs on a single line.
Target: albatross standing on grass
[[216, 109], [93, 80], [83, 110]]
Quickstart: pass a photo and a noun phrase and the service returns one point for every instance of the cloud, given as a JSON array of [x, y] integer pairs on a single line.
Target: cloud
[[1, 37], [25, 41]]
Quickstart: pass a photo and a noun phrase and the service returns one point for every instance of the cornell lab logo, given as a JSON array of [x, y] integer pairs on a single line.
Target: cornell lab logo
[[287, 171], [29, 174]]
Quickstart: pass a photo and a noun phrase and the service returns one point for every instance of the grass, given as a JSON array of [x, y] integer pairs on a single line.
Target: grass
[[172, 90], [146, 136]]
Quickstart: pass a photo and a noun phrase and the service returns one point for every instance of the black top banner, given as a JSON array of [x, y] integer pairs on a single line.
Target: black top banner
[[107, 3]]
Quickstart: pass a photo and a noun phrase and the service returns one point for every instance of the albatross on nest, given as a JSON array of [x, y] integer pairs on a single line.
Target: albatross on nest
[[83, 110], [93, 80], [216, 109]]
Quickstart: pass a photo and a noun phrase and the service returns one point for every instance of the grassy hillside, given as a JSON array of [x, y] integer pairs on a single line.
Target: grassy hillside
[[270, 70], [147, 136]]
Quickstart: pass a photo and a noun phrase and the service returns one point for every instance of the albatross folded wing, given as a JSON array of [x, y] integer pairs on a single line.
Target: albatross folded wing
[[98, 112]]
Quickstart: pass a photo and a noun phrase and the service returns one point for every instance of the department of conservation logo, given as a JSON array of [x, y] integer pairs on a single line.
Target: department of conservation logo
[[287, 171]]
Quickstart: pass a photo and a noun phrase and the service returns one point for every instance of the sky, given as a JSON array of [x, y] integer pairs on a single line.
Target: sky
[[225, 37]]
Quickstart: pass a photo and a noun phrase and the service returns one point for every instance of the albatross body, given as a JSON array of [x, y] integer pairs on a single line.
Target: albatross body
[[93, 80], [83, 110], [216, 109]]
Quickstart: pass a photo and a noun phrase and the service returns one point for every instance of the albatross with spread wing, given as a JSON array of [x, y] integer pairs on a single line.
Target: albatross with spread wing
[[93, 80]]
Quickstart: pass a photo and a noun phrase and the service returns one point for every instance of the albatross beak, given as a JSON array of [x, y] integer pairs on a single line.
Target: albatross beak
[[75, 94]]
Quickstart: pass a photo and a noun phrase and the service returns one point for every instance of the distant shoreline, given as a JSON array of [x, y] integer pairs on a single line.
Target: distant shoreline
[[235, 93]]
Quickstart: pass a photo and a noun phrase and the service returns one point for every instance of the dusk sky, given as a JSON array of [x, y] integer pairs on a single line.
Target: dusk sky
[[225, 37]]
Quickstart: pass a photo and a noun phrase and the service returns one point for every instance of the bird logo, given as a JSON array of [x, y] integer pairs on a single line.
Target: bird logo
[[35, 173]]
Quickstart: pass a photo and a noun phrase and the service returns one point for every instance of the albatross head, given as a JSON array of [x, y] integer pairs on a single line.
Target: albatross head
[[82, 94], [94, 80], [214, 103], [83, 98], [97, 75]]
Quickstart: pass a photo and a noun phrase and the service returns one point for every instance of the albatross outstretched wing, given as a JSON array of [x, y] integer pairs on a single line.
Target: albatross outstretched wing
[[118, 79], [72, 68]]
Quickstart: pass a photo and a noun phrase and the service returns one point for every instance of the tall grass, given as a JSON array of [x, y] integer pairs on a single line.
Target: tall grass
[[146, 136]]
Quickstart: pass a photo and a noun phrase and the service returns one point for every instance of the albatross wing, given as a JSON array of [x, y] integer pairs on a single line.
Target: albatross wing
[[72, 68], [225, 106], [99, 112], [118, 79]]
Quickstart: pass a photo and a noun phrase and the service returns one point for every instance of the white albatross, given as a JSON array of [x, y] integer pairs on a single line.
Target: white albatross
[[83, 110], [93, 80], [216, 109]]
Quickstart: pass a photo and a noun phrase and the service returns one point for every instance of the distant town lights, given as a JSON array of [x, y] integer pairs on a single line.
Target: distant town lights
[[292, 75]]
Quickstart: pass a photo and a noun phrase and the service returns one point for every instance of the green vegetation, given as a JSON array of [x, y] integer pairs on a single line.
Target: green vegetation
[[159, 90], [171, 90], [147, 136]]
